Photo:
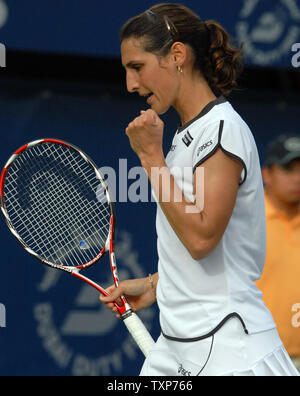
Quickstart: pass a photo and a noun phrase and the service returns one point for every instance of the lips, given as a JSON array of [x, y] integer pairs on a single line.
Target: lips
[[150, 99], [148, 96]]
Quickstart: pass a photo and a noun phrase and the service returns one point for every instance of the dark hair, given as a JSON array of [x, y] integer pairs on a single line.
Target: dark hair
[[165, 23]]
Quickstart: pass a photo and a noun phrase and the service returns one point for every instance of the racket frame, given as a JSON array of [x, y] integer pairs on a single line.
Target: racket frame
[[124, 309]]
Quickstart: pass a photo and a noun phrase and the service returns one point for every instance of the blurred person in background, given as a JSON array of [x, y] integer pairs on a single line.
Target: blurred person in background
[[281, 275]]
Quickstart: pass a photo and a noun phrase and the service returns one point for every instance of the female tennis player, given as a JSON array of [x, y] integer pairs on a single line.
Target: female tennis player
[[211, 222]]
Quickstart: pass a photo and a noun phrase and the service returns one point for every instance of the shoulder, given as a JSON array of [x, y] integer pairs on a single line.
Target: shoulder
[[226, 130]]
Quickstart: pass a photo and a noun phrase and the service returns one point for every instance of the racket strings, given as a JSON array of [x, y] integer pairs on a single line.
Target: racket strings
[[35, 239], [41, 200], [54, 221], [57, 204]]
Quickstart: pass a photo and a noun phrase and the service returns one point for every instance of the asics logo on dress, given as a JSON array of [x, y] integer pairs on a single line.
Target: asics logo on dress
[[204, 146], [183, 371]]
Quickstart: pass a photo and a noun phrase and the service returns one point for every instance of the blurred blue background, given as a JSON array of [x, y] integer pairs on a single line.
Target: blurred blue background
[[63, 79]]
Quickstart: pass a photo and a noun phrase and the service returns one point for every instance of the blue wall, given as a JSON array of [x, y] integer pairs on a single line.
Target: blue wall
[[268, 28]]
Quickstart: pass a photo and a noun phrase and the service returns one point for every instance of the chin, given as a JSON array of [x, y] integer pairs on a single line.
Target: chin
[[159, 109]]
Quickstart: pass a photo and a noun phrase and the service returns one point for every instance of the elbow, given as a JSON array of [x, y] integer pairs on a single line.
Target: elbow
[[198, 254], [201, 248]]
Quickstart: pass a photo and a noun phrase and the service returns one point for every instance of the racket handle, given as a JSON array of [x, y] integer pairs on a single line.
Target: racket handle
[[139, 333]]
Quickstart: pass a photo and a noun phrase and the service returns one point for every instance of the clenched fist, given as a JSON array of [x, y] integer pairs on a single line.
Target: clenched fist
[[146, 135]]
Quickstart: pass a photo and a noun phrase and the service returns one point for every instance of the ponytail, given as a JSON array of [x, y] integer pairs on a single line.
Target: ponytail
[[222, 66]]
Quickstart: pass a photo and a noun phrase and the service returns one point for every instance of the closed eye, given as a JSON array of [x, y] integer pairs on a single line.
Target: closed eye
[[134, 66]]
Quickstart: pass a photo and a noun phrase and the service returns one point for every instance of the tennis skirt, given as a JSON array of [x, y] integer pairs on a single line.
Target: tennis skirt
[[229, 352]]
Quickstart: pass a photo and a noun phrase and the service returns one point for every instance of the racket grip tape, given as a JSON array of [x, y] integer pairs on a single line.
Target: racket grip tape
[[139, 333]]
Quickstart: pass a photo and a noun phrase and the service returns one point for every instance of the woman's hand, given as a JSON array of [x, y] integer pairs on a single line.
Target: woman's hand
[[138, 292], [146, 135]]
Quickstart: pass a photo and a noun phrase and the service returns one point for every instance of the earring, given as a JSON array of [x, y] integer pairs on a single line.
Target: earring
[[179, 68]]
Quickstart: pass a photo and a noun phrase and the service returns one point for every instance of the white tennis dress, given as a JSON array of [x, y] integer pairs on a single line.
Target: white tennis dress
[[212, 316]]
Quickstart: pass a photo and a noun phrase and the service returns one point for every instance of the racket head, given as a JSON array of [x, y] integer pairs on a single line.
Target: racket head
[[57, 205]]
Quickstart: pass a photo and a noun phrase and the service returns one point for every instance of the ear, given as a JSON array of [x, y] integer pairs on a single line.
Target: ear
[[178, 53]]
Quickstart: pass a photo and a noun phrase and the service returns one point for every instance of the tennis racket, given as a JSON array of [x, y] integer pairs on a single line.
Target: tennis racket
[[56, 203]]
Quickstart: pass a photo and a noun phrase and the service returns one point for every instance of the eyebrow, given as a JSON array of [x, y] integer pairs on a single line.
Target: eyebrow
[[132, 64]]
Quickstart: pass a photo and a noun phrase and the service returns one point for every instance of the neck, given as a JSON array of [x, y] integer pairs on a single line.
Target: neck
[[290, 209], [194, 95]]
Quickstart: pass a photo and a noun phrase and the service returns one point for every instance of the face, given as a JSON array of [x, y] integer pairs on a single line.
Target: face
[[284, 182], [149, 75]]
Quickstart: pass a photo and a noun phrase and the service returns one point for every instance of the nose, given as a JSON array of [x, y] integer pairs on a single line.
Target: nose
[[131, 82]]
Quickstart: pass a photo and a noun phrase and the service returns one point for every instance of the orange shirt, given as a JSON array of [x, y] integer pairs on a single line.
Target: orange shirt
[[280, 281]]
